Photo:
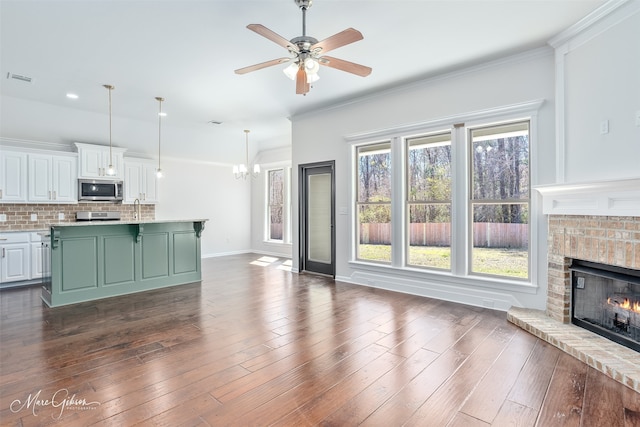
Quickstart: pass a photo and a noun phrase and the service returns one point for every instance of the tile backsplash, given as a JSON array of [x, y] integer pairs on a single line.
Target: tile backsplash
[[22, 216]]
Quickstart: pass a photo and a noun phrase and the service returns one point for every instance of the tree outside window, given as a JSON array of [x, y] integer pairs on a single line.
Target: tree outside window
[[276, 203], [429, 201], [374, 202], [500, 200]]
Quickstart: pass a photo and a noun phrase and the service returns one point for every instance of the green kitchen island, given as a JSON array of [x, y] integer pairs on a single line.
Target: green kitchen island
[[99, 259]]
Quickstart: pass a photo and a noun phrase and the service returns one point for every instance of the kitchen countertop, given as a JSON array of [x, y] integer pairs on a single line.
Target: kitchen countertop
[[152, 221]]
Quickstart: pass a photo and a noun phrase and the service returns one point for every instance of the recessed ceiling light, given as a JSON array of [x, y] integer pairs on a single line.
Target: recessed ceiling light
[[72, 96]]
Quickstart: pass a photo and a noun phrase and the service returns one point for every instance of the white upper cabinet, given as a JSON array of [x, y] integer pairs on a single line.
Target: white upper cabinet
[[53, 178], [13, 177], [95, 160], [140, 181]]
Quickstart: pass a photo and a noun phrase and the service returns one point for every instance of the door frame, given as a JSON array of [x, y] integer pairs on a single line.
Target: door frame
[[302, 214]]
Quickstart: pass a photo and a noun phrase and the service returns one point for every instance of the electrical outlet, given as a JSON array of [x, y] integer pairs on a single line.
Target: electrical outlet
[[3, 217], [61, 215], [604, 127], [34, 217], [580, 283]]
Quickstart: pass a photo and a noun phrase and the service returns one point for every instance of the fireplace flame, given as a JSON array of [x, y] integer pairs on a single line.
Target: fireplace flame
[[625, 304]]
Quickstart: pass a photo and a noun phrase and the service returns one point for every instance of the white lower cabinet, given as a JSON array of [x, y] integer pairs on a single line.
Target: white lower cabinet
[[20, 256]]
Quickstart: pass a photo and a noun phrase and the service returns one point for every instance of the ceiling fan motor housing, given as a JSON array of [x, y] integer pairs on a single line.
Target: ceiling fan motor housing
[[303, 3]]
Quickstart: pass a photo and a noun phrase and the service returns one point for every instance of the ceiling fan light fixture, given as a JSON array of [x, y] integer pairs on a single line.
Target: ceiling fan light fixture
[[291, 70], [311, 65], [312, 78]]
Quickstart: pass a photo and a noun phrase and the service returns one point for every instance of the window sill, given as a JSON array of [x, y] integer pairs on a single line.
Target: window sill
[[276, 243], [447, 278]]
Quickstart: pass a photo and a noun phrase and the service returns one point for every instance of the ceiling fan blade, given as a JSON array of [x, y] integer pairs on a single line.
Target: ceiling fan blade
[[341, 64], [340, 39], [261, 65], [302, 86], [274, 37]]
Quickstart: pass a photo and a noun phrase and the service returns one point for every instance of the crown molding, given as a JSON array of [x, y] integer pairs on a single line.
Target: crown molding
[[36, 145], [598, 21]]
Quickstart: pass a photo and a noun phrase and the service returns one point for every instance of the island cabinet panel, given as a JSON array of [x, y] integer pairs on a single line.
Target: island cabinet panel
[[119, 256], [185, 248], [95, 261], [79, 264], [155, 255]]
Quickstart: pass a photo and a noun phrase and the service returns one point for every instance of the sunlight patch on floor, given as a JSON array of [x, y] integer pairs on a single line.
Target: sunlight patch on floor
[[264, 261]]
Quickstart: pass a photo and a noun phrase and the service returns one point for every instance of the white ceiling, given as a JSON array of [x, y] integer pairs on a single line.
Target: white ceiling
[[186, 51]]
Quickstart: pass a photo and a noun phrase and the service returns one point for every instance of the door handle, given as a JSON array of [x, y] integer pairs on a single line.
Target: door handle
[[2, 252]]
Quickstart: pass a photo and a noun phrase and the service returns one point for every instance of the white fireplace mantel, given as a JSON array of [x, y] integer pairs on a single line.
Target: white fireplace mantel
[[606, 198]]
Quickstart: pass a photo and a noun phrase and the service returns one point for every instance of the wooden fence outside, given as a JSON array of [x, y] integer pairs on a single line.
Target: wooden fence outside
[[485, 234]]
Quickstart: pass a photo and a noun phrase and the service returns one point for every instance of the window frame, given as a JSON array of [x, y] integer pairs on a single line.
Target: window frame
[[358, 203], [407, 225], [286, 205], [459, 210], [472, 201]]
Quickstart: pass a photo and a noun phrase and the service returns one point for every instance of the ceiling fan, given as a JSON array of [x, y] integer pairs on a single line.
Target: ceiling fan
[[308, 53]]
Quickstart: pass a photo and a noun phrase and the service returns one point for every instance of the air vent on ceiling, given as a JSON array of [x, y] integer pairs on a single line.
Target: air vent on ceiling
[[214, 122], [19, 77]]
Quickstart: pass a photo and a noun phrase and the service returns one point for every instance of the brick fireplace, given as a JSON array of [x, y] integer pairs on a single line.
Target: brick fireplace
[[597, 222]]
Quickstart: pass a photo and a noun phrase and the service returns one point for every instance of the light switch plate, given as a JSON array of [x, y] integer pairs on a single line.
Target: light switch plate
[[34, 217], [604, 127], [3, 217], [60, 215], [638, 118]]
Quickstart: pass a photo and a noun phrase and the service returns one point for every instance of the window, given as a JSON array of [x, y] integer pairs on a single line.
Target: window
[[374, 202], [275, 204], [500, 200], [454, 200], [429, 200]]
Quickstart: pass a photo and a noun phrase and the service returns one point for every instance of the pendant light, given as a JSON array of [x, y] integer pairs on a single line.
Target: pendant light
[[159, 99], [242, 170], [111, 170]]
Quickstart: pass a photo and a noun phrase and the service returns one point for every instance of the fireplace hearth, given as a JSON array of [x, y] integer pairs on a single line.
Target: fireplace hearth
[[605, 299]]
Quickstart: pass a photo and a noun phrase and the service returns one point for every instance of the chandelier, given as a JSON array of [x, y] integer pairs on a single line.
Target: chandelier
[[244, 169]]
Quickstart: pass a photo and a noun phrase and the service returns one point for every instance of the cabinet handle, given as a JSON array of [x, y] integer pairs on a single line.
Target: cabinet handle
[[49, 194], [2, 252], [0, 194], [54, 195]]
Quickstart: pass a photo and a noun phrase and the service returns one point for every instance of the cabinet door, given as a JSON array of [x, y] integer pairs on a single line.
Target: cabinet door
[[36, 260], [132, 181], [150, 193], [13, 177], [40, 178], [65, 179], [15, 262], [92, 163]]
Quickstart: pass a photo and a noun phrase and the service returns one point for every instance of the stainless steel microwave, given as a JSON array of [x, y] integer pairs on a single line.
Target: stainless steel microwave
[[96, 190]]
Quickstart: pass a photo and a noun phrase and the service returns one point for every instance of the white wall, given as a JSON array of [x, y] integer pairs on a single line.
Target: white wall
[[204, 190], [321, 136], [602, 82]]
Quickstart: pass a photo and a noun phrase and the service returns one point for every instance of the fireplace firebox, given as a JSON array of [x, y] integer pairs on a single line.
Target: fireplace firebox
[[605, 299]]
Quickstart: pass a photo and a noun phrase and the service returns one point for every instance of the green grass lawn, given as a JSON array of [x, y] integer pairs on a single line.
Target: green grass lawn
[[501, 262]]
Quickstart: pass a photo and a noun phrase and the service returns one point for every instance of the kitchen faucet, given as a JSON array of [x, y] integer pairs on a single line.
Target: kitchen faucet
[[136, 209]]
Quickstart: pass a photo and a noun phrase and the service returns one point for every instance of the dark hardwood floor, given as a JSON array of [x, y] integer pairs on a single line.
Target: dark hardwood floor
[[256, 345]]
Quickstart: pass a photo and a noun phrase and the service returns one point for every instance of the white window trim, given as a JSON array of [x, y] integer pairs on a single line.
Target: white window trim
[[460, 187]]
